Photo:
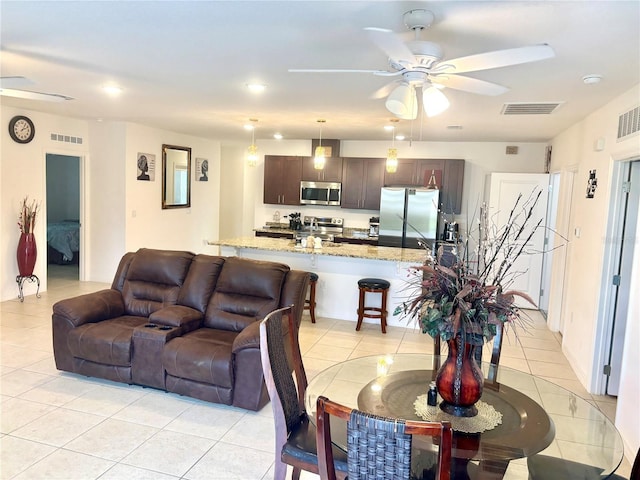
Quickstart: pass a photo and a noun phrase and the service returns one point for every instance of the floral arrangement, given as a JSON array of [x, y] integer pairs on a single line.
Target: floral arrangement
[[469, 295], [27, 216]]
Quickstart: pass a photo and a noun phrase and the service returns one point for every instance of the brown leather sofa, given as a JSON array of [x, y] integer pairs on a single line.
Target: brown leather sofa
[[180, 322]]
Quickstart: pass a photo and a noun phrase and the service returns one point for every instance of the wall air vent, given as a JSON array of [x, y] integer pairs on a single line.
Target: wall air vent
[[629, 123], [527, 108], [57, 137]]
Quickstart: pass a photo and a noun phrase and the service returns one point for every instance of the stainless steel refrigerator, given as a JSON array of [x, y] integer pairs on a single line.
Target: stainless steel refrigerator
[[408, 215]]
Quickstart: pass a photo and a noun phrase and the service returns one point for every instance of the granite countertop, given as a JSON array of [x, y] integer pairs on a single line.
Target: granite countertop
[[369, 252]]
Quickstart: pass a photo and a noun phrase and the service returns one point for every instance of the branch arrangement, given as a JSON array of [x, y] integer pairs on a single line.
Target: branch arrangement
[[27, 216]]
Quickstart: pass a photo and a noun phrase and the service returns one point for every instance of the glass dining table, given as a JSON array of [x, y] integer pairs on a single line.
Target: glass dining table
[[530, 416]]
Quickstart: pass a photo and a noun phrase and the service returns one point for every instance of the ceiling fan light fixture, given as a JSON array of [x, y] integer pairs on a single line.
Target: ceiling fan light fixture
[[402, 102], [434, 101]]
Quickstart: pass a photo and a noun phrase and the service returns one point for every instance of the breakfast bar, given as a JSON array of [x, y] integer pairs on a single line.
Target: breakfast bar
[[339, 267]]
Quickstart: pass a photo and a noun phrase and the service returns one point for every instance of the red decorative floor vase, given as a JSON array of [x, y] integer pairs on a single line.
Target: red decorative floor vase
[[26, 254], [460, 379]]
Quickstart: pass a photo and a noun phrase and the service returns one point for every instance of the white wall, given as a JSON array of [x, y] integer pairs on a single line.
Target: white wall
[[111, 194], [147, 224], [574, 149], [23, 168], [480, 158]]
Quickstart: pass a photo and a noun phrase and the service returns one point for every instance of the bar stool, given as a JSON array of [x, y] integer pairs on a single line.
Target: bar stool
[[373, 285], [310, 303]]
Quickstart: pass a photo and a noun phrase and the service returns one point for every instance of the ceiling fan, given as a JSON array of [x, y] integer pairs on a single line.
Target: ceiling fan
[[419, 65], [13, 87]]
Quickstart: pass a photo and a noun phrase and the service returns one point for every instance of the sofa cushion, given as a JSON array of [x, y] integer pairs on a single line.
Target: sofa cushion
[[107, 342], [246, 291], [154, 278], [200, 282], [203, 355]]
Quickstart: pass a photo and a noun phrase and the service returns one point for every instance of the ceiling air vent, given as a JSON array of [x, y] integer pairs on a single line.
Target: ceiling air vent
[[629, 123], [545, 108]]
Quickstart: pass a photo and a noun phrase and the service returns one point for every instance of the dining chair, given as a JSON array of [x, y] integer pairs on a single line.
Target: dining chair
[[377, 447], [543, 467], [286, 382]]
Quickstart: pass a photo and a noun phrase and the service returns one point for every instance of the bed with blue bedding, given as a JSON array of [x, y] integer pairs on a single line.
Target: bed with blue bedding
[[63, 239]]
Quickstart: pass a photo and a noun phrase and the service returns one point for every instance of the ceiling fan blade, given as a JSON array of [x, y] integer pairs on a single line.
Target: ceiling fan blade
[[14, 82], [468, 84], [385, 90], [392, 45], [382, 73], [48, 97], [497, 59]]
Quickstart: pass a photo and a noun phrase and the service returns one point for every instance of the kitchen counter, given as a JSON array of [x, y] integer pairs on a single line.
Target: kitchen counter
[[339, 267], [369, 252]]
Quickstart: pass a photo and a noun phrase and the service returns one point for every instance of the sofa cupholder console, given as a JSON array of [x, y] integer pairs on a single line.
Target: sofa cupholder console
[[179, 322]]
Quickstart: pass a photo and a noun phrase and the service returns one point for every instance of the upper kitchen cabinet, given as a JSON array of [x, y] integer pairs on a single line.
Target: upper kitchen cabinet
[[452, 178], [362, 179], [405, 174], [332, 171], [448, 174], [282, 176]]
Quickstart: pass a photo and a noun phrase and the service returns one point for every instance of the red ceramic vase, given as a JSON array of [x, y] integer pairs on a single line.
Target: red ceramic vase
[[460, 379], [26, 254]]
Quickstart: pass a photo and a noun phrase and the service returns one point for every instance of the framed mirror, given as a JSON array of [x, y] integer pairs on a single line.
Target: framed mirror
[[176, 177]]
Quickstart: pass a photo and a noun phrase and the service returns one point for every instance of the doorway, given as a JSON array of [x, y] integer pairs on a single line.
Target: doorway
[[549, 243], [63, 217]]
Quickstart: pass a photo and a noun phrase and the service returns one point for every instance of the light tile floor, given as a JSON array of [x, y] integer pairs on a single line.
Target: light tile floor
[[56, 425]]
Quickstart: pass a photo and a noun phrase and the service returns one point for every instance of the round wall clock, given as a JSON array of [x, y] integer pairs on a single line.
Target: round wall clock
[[21, 129]]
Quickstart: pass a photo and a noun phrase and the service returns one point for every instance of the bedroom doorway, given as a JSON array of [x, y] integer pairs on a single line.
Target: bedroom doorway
[[63, 218]]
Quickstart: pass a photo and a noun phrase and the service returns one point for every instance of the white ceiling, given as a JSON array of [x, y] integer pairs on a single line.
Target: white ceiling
[[183, 66]]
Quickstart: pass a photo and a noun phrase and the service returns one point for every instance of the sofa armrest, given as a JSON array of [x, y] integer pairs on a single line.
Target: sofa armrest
[[92, 307], [249, 337], [178, 316]]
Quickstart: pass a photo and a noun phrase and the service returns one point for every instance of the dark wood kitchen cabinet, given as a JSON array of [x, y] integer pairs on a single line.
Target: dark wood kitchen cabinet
[[282, 175], [362, 179], [332, 171], [416, 172], [452, 179]]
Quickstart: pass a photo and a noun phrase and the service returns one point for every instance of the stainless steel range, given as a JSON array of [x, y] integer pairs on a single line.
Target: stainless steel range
[[324, 227]]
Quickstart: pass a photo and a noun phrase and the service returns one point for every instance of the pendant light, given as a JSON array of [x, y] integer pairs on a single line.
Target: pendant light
[[252, 151], [392, 153], [319, 158]]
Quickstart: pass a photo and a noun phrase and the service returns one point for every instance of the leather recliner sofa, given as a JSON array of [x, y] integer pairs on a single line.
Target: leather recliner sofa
[[179, 322]]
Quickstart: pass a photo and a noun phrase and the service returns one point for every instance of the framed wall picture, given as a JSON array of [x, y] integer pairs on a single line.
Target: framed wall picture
[[202, 170], [146, 165]]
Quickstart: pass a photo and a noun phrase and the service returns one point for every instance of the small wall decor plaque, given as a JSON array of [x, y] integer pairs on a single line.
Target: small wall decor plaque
[[146, 167], [202, 170], [592, 183]]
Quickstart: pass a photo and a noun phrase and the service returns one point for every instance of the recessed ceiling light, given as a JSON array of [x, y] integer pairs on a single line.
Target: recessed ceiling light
[[277, 136], [256, 87], [112, 90], [592, 79], [400, 137], [252, 125]]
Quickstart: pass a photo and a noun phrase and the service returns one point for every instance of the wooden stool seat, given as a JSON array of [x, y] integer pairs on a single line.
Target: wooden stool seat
[[310, 303], [373, 285]]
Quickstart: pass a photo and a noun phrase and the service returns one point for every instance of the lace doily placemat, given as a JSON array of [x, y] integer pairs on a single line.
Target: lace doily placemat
[[488, 417]]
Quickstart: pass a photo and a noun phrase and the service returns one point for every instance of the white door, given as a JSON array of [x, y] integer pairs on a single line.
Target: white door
[[629, 256], [503, 192], [549, 238]]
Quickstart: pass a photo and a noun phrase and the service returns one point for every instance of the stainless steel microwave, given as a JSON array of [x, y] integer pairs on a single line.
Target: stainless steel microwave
[[320, 193]]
